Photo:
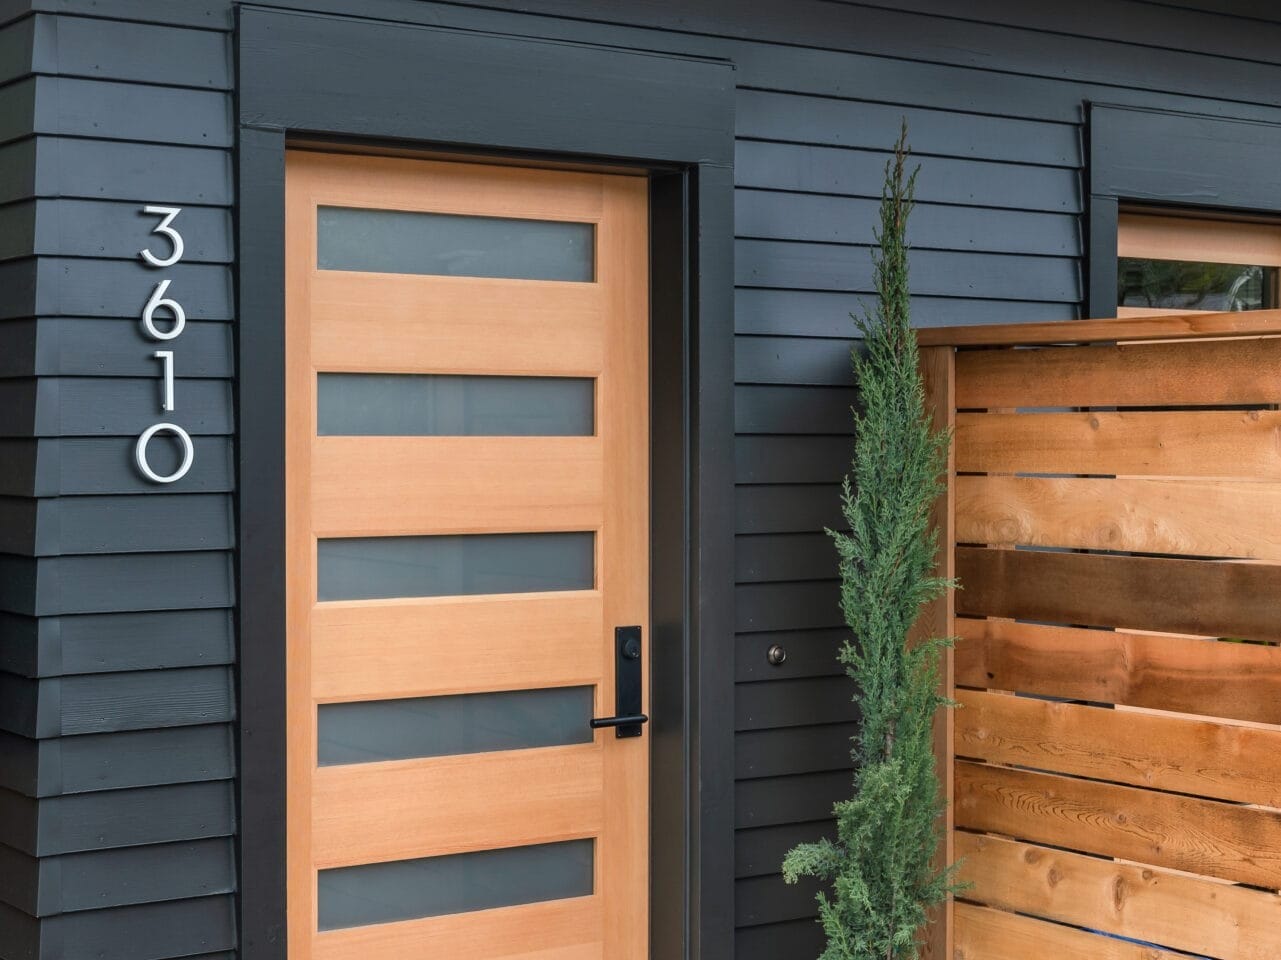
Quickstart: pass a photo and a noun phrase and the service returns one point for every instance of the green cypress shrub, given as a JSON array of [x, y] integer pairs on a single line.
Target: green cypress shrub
[[880, 867]]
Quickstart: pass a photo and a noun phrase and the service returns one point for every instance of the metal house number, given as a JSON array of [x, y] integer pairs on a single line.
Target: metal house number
[[169, 313]]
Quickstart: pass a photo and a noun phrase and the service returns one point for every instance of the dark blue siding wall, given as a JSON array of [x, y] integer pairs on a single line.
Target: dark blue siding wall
[[116, 693]]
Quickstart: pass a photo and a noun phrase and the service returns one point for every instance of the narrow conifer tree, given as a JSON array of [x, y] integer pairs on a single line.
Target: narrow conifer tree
[[881, 865]]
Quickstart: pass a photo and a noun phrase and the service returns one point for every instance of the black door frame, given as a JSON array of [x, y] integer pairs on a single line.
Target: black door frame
[[339, 79]]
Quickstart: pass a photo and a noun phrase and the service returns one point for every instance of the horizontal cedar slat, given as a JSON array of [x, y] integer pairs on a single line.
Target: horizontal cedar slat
[[983, 934], [385, 486], [1215, 443], [370, 812], [1207, 598], [1201, 757], [1237, 843], [1128, 375], [1197, 517], [555, 930], [1234, 680], [367, 649], [1187, 913], [1172, 326]]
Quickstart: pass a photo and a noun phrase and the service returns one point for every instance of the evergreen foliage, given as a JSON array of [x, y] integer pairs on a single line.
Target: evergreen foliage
[[880, 867]]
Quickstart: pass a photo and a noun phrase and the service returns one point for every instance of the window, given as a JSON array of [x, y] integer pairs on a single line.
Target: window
[[1168, 263]]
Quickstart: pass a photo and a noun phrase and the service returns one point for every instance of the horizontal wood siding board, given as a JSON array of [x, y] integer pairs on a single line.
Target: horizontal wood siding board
[[86, 347], [194, 929], [803, 702], [124, 407], [115, 170], [19, 764], [772, 215], [1206, 758], [1220, 372], [19, 932], [1228, 841], [133, 524], [1196, 915], [842, 171], [97, 48], [139, 758], [1200, 518], [996, 935], [71, 107], [17, 106], [789, 409], [17, 235], [133, 875], [118, 230], [760, 852], [1219, 443], [1185, 675], [55, 466], [787, 606], [783, 557], [821, 313], [1207, 598], [777, 752], [787, 508], [124, 818], [145, 700], [767, 899], [109, 643], [770, 801], [791, 460], [810, 653], [803, 937], [17, 41], [779, 116], [113, 583], [790, 265], [79, 287]]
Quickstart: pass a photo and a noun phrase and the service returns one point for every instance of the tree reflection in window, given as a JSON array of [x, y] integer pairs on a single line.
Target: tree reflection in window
[[1189, 285]]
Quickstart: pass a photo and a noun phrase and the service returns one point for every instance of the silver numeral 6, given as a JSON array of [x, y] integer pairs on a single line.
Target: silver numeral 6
[[163, 228], [159, 301]]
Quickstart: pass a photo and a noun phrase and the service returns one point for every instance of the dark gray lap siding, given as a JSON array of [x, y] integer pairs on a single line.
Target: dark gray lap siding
[[116, 716]]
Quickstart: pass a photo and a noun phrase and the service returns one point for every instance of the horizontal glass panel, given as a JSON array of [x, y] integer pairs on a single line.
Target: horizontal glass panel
[[432, 405], [462, 723], [368, 568], [449, 245], [1186, 285], [459, 883]]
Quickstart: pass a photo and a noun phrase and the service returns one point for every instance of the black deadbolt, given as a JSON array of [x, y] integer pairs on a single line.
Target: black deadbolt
[[631, 648]]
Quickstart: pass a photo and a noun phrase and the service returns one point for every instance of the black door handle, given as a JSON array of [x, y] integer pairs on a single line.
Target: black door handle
[[627, 685]]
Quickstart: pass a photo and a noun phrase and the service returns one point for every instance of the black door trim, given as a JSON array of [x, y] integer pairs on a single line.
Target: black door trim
[[336, 78]]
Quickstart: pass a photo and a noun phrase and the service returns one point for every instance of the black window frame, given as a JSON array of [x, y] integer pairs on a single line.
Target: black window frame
[[495, 96], [1173, 160]]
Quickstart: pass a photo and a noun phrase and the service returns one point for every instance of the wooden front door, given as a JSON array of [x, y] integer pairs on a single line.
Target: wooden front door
[[467, 515]]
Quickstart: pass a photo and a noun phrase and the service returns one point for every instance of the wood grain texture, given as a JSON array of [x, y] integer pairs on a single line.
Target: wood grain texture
[[1186, 913], [1228, 841], [1168, 327], [1202, 757], [1241, 444], [400, 809], [984, 934], [1197, 239], [937, 619], [1207, 598], [568, 929], [1181, 674], [1201, 518], [1240, 371]]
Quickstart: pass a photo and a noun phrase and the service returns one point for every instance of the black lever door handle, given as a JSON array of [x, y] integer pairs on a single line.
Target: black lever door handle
[[628, 685], [637, 719]]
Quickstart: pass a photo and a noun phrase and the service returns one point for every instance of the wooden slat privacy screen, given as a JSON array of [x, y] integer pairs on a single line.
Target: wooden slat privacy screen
[[1114, 516]]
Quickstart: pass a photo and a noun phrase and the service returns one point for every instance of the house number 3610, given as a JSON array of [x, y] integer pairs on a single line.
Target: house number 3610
[[163, 319]]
